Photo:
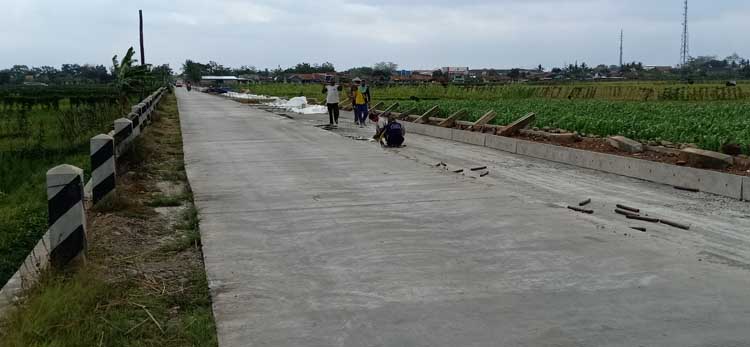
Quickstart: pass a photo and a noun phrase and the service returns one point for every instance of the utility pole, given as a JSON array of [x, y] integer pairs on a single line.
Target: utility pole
[[685, 49], [621, 37], [143, 54]]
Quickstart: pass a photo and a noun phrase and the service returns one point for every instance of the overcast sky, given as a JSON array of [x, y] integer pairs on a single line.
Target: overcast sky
[[413, 33]]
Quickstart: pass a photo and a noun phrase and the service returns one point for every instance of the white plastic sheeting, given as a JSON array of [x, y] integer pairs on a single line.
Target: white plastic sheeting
[[298, 105], [249, 96]]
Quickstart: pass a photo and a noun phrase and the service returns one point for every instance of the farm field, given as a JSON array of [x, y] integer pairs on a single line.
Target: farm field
[[575, 91], [39, 129], [703, 115]]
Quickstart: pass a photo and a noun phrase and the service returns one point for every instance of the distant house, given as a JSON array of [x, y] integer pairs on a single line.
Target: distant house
[[222, 80], [310, 78], [423, 72], [413, 78], [452, 71], [657, 68], [254, 78]]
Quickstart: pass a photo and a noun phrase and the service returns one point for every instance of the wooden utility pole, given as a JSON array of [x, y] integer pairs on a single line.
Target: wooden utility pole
[[143, 54], [621, 37]]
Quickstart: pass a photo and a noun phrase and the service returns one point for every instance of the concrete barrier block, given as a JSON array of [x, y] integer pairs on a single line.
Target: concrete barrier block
[[708, 181], [651, 171], [746, 188], [625, 144], [706, 159], [543, 151], [531, 149], [472, 138], [586, 159], [502, 143], [439, 132], [415, 128], [703, 180]]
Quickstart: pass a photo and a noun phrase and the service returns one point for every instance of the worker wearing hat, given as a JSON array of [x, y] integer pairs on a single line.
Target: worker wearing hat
[[360, 95]]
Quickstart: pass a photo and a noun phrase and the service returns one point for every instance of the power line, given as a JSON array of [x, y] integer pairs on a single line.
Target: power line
[[685, 50]]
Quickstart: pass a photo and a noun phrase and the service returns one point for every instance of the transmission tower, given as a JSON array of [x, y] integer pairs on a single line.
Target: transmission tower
[[621, 36], [685, 50]]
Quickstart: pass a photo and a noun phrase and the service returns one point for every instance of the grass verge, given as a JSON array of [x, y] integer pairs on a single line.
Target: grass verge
[[144, 283]]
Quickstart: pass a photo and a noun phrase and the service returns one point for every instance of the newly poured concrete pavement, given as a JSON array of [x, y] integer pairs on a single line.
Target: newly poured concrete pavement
[[313, 239]]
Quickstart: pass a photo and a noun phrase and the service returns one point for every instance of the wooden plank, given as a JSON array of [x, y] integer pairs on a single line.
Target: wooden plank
[[450, 121], [425, 118], [407, 113], [482, 121], [387, 111], [519, 124], [375, 106]]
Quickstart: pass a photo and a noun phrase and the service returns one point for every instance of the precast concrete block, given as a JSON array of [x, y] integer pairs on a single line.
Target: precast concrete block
[[708, 181], [414, 128], [544, 151], [472, 138], [502, 143], [532, 149], [625, 144], [439, 132], [746, 188]]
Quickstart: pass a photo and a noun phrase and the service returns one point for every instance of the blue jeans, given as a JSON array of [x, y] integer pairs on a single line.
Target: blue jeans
[[360, 114]]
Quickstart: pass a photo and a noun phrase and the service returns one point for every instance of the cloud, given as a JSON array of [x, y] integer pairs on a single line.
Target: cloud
[[415, 34]]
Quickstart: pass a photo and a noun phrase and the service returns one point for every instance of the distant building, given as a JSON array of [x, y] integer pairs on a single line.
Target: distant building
[[657, 68], [423, 72], [452, 71], [413, 78], [310, 78], [222, 80]]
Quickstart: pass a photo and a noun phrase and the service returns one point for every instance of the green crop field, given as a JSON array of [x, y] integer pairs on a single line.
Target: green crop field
[[708, 115], [585, 91], [707, 124], [39, 129]]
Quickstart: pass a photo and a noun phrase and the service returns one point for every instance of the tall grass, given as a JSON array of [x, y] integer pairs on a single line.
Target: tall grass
[[34, 139]]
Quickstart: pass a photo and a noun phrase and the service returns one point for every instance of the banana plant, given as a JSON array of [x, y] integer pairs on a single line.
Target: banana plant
[[130, 79]]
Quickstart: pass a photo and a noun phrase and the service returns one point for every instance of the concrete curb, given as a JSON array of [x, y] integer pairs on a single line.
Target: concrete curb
[[719, 183], [26, 275], [470, 137]]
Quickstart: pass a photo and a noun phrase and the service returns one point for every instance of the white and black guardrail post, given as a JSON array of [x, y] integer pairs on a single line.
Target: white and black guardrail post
[[142, 115], [102, 166], [66, 215], [123, 134], [149, 107], [135, 117]]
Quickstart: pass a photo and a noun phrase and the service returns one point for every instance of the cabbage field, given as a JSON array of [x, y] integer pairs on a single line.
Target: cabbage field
[[706, 115]]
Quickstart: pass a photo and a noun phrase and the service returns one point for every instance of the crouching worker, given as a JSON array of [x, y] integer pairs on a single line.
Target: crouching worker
[[392, 134]]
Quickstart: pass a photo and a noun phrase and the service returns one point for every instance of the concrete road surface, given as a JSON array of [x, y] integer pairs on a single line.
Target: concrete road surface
[[314, 239]]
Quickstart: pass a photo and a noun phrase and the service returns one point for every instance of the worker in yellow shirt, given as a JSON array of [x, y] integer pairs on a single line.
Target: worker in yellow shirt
[[360, 95]]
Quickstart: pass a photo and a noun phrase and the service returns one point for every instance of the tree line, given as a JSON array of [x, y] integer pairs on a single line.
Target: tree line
[[72, 74], [701, 67], [194, 71]]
